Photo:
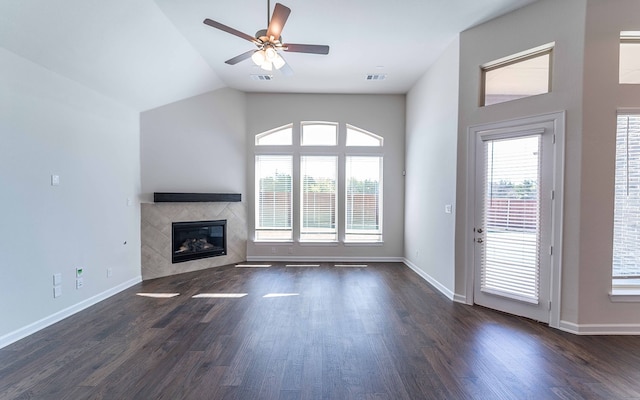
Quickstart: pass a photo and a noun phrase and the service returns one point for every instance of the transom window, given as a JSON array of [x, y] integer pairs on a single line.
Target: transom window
[[629, 57], [520, 75], [360, 137], [319, 134], [276, 137], [299, 185]]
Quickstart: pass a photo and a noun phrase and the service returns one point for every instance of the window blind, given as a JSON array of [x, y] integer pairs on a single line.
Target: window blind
[[318, 198], [273, 197], [626, 225], [363, 198], [510, 259]]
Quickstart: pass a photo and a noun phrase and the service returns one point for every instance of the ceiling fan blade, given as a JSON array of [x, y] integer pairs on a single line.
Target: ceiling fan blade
[[230, 30], [241, 57], [306, 48], [278, 19]]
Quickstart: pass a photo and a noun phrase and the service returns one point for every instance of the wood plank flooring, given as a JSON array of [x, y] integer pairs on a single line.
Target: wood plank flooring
[[378, 332]]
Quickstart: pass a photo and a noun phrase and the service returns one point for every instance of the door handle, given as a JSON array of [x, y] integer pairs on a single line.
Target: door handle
[[479, 240], [479, 230]]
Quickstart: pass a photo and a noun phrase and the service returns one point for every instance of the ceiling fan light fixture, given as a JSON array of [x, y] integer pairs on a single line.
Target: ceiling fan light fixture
[[270, 54], [267, 66], [278, 62], [258, 57]]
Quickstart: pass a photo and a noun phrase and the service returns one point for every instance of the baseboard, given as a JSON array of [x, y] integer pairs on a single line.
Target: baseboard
[[441, 288], [62, 314], [600, 329], [325, 259], [458, 298]]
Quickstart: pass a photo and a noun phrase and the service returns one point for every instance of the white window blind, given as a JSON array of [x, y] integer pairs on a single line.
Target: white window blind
[[626, 226], [273, 197], [363, 199], [510, 260], [318, 198]]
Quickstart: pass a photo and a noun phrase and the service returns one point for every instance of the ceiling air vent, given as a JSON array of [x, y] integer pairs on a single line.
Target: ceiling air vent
[[262, 77], [376, 77]]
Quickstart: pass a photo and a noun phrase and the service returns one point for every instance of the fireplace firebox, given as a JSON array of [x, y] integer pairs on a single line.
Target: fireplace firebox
[[198, 239]]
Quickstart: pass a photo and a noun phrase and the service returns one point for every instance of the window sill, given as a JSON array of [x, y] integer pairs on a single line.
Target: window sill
[[625, 295], [312, 243], [273, 242], [354, 244]]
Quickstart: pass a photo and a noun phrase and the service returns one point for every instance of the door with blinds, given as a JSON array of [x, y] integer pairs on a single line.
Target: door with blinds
[[512, 232]]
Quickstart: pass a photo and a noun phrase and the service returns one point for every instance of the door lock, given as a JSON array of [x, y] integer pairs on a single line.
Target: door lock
[[479, 230]]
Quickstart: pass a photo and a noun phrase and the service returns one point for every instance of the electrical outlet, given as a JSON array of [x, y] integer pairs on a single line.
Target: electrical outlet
[[57, 279], [79, 283], [109, 272], [57, 291], [447, 208], [55, 180]]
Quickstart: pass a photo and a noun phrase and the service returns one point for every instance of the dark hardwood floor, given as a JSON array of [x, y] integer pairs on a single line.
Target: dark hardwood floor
[[379, 332]]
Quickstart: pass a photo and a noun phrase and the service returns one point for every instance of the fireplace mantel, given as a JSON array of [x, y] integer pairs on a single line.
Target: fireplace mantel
[[164, 197]]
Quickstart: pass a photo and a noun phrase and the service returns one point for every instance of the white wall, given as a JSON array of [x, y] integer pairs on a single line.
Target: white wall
[[602, 97], [52, 125], [430, 151], [195, 145], [543, 22], [381, 114]]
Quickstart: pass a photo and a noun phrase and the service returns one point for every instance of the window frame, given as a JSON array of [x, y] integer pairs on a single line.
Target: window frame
[[380, 232], [622, 288], [296, 150]]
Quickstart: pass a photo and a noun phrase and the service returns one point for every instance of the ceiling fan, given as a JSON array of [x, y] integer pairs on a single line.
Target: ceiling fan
[[269, 42]]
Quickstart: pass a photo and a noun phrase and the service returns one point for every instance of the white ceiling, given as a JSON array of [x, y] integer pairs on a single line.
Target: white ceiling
[[147, 53]]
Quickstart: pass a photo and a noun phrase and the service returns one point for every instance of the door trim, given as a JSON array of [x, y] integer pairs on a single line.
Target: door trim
[[557, 207]]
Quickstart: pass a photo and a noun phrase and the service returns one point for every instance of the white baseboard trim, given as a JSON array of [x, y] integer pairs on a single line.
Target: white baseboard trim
[[324, 259], [30, 329], [600, 329], [459, 298], [441, 288]]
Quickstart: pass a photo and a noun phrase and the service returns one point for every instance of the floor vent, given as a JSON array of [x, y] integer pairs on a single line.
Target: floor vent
[[262, 77], [376, 77]]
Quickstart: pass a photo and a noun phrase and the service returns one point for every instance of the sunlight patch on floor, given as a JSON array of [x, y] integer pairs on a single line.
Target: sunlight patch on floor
[[271, 295], [253, 265], [351, 265], [301, 265], [219, 295], [158, 295]]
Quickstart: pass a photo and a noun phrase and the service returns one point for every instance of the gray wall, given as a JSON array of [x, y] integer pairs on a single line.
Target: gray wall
[[195, 145], [381, 114], [52, 125], [431, 142]]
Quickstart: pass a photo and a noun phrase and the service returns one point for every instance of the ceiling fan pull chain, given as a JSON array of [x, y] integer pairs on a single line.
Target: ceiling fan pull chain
[[268, 12]]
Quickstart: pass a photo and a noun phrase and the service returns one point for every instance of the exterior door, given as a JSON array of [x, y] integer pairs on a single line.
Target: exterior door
[[513, 225]]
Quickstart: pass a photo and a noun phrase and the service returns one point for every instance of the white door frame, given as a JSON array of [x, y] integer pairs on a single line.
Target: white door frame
[[557, 208]]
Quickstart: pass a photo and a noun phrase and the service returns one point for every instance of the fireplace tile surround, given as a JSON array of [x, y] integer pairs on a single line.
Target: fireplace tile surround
[[156, 220]]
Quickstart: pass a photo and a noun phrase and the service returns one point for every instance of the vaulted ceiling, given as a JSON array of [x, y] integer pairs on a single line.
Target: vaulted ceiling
[[147, 53]]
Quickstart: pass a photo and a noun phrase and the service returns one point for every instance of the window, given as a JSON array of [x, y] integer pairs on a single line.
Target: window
[[319, 134], [518, 76], [359, 137], [629, 57], [626, 226], [318, 198], [273, 198], [363, 199], [312, 191], [275, 137]]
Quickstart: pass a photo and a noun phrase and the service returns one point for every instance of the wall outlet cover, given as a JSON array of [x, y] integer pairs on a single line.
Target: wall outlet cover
[[57, 291], [79, 283], [57, 279]]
